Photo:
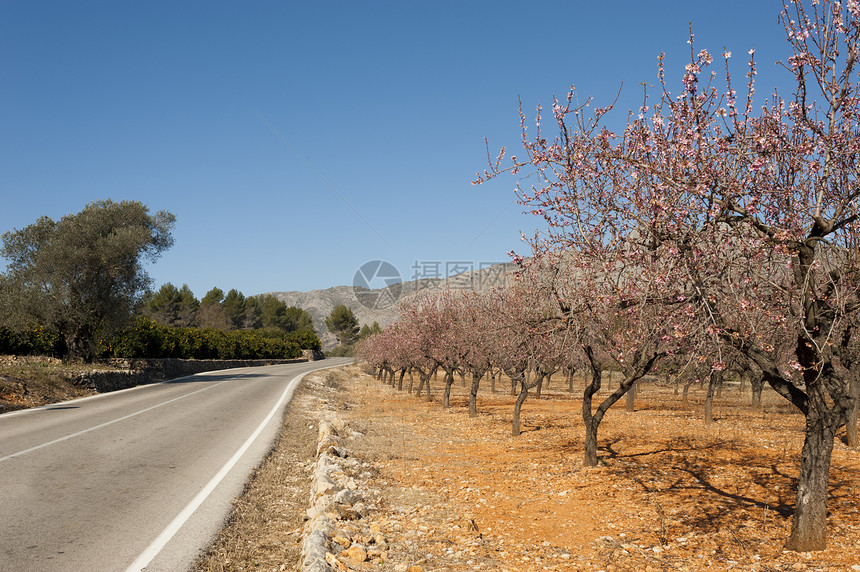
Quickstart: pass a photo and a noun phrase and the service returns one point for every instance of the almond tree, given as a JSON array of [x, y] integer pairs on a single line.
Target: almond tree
[[473, 321], [438, 319], [526, 333], [386, 352], [755, 204], [416, 337], [373, 351], [507, 349], [607, 301]]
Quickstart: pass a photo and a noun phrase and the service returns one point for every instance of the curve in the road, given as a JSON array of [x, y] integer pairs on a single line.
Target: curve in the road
[[142, 476]]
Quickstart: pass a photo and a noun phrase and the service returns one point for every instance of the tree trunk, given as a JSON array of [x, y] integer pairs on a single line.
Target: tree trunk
[[449, 381], [462, 379], [713, 381], [809, 526], [539, 386], [851, 419], [411, 380], [492, 381], [79, 345], [590, 457], [687, 385], [757, 385], [643, 362], [518, 404], [631, 398], [473, 393], [429, 375], [400, 381], [570, 373]]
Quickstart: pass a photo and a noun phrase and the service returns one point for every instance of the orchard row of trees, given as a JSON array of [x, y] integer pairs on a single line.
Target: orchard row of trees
[[711, 228], [77, 288]]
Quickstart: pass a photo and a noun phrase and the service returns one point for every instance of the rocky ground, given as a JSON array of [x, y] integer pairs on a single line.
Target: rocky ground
[[34, 381], [441, 491]]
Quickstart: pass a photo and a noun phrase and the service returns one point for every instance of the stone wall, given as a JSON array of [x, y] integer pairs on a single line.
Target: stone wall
[[139, 371], [337, 536], [313, 355]]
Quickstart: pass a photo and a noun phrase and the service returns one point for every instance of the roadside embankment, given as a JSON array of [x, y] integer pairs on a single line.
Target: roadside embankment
[[344, 525], [33, 381]]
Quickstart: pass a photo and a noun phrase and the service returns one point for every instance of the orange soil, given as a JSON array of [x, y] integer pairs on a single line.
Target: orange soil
[[455, 493]]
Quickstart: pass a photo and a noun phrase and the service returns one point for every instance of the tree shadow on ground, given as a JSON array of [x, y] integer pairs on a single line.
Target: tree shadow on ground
[[698, 478]]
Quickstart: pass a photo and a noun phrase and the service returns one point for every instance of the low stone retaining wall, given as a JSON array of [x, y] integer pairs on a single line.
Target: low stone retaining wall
[[313, 355], [105, 381], [125, 373], [339, 535], [334, 498]]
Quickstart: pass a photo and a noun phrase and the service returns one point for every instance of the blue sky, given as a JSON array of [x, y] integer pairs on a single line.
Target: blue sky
[[256, 123]]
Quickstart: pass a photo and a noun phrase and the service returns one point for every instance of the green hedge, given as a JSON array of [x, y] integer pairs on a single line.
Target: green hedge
[[305, 339], [35, 340], [146, 338]]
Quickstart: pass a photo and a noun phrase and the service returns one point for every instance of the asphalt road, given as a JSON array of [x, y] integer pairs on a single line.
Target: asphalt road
[[136, 479]]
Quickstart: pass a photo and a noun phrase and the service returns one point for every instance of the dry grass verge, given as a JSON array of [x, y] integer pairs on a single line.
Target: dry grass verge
[[264, 530], [35, 381]]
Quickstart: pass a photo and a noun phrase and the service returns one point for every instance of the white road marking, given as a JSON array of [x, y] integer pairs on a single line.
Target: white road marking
[[17, 412], [73, 435], [168, 533]]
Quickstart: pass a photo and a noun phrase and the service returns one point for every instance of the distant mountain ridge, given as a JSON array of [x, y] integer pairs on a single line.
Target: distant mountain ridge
[[320, 303]]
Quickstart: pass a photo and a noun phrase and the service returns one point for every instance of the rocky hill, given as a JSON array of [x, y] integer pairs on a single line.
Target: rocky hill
[[381, 305]]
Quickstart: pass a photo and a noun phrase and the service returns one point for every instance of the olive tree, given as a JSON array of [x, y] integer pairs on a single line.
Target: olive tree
[[83, 274]]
